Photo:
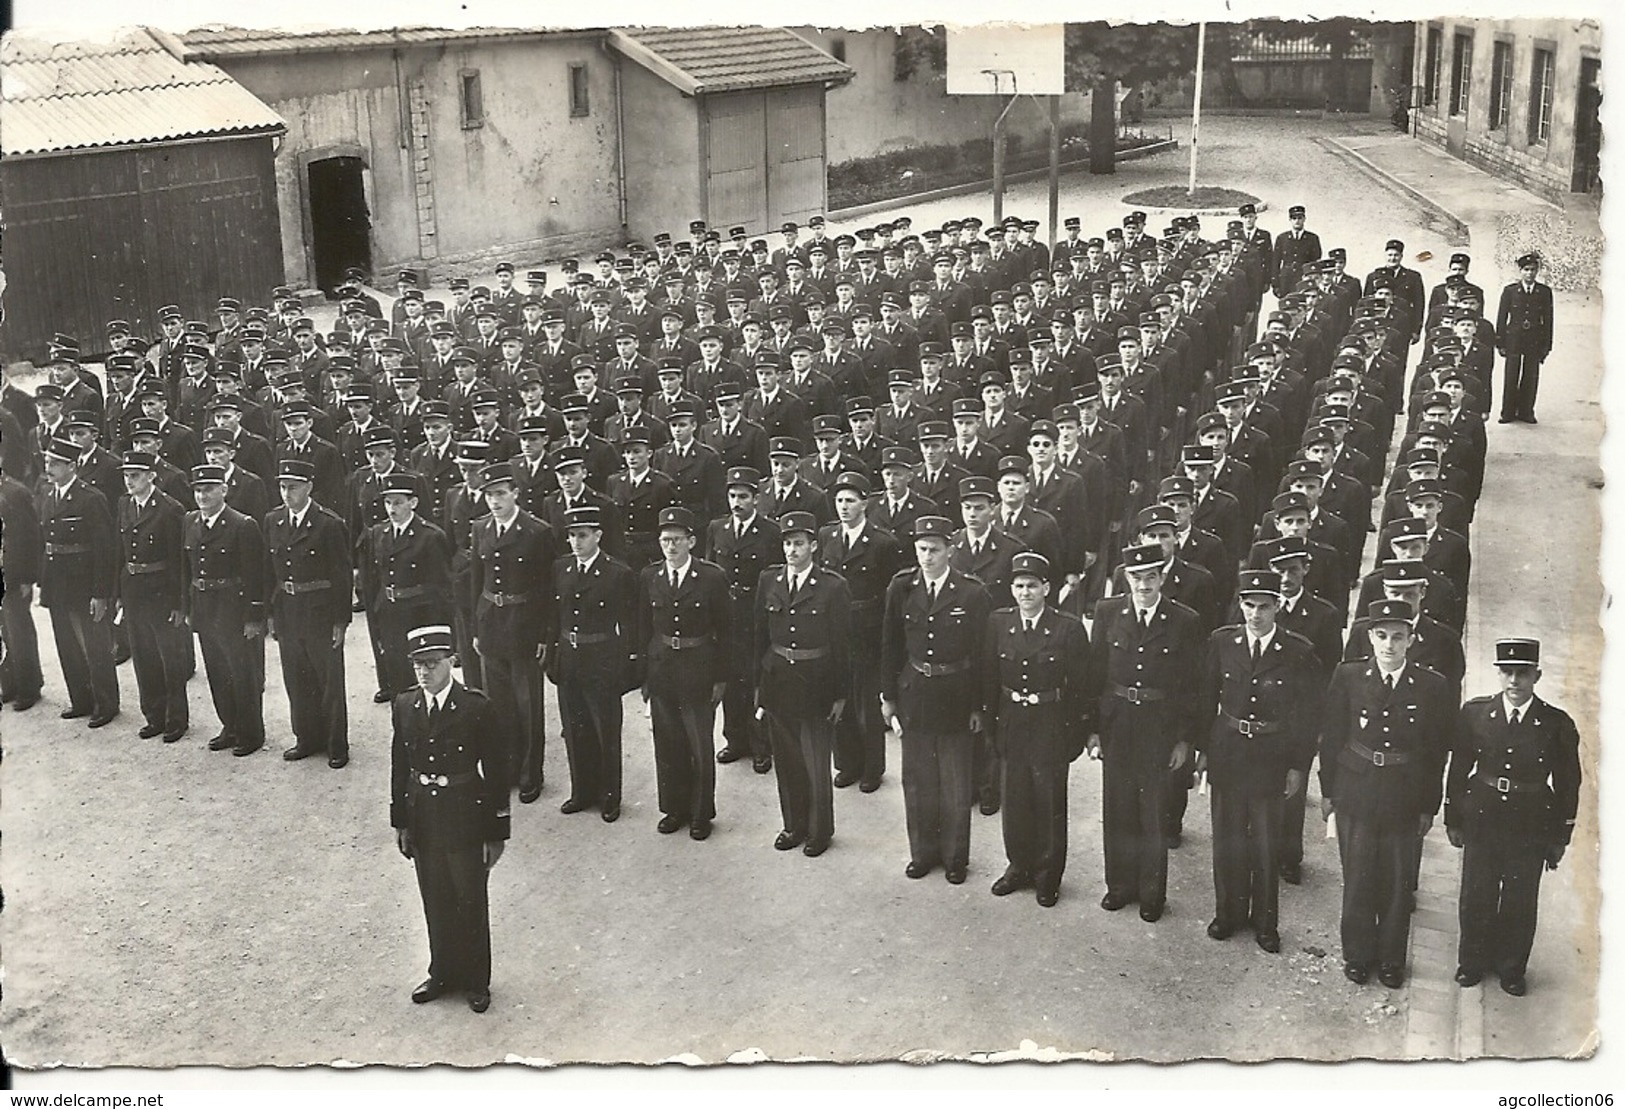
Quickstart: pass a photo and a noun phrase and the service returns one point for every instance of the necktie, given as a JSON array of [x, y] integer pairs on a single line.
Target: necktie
[[1388, 680], [674, 581], [846, 542], [1258, 646], [1145, 620], [581, 566], [1516, 717], [931, 592]]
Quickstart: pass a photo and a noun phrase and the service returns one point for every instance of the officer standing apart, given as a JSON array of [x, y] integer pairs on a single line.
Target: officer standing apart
[[77, 582], [1147, 649], [1510, 800], [684, 631], [1259, 680], [152, 588], [1384, 733], [804, 660], [310, 614], [591, 661], [1523, 335], [1040, 705], [931, 645], [449, 808]]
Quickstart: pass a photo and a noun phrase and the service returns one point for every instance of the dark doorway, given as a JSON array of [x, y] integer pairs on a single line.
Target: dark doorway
[[1588, 130], [341, 228]]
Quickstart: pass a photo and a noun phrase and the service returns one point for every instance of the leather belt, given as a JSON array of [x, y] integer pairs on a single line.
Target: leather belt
[[1250, 727], [502, 600], [1510, 785], [444, 780], [67, 548], [394, 593], [1047, 697], [939, 669], [295, 587], [800, 654], [1134, 695], [584, 639], [209, 584], [137, 568], [682, 642], [1380, 758]]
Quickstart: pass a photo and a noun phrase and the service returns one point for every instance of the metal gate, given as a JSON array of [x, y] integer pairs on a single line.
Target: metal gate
[[765, 157]]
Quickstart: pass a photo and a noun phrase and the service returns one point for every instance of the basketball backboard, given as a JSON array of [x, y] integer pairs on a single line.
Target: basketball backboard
[[1007, 59]]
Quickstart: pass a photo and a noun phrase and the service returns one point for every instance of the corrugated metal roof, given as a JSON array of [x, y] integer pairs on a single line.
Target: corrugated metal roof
[[243, 42], [728, 59], [132, 89]]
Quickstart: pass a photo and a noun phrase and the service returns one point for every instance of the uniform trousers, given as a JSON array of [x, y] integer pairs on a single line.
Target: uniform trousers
[[1291, 834], [84, 648], [20, 674], [388, 623], [313, 674], [1133, 813], [937, 796], [740, 729], [1035, 820], [1520, 381], [1246, 856], [1376, 858], [462, 630], [1500, 897], [592, 739], [1177, 787], [514, 686], [685, 756], [802, 748], [860, 735], [452, 882], [235, 665], [158, 657]]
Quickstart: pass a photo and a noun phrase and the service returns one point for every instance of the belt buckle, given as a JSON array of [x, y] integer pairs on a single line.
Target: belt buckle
[[496, 599], [1245, 727], [1503, 785], [1133, 695], [1379, 759], [389, 593], [1024, 698], [287, 587], [674, 642], [570, 638]]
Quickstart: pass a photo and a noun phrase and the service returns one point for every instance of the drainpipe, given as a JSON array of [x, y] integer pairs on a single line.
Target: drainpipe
[[620, 134]]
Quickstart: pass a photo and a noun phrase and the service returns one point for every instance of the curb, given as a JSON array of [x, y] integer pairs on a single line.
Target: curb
[[1262, 206], [1456, 228], [858, 211]]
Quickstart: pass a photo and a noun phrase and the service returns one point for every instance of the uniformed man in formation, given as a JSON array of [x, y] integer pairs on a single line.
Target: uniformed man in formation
[[1120, 435]]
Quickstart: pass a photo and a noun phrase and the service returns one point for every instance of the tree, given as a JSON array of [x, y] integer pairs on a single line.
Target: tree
[[1100, 55]]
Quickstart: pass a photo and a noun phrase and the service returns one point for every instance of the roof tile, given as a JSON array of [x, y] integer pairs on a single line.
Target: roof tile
[[728, 59]]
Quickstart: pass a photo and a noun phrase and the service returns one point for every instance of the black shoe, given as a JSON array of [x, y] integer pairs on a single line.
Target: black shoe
[[845, 778], [222, 742], [728, 755], [572, 805], [171, 737], [763, 765], [1220, 929], [1113, 901], [1517, 987], [382, 697], [103, 720], [1391, 976], [669, 824], [610, 810], [479, 1000], [869, 785], [357, 606], [7, 698], [428, 990], [1011, 881], [25, 702], [71, 713], [149, 730], [815, 847], [700, 829], [990, 803], [1467, 979], [240, 751], [338, 762], [529, 794], [955, 875], [1505, 420], [1270, 941], [1292, 874], [1151, 913], [916, 870], [786, 841], [1358, 973], [1048, 898], [1530, 419], [1173, 840], [296, 752]]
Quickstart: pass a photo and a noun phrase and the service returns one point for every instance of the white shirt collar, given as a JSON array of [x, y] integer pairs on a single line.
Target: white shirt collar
[[1507, 707]]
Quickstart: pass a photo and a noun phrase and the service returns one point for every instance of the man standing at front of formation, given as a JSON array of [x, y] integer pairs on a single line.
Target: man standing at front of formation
[[803, 638], [1036, 673], [449, 808], [1523, 335], [931, 646], [77, 582], [1147, 649], [1510, 800], [310, 614], [225, 604], [1384, 731], [1260, 682]]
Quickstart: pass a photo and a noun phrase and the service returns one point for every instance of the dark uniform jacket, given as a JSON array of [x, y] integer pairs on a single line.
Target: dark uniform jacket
[[465, 745], [515, 565], [697, 477], [152, 555], [801, 496], [21, 547], [1281, 691], [947, 633], [1408, 727], [1519, 782], [900, 520], [1433, 646], [696, 617], [1040, 729], [593, 623], [1160, 660], [81, 552], [414, 567], [225, 573], [300, 560], [814, 629], [1523, 322], [868, 568], [992, 564]]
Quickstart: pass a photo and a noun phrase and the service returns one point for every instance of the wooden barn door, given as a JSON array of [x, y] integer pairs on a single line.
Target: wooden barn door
[[736, 153], [795, 153]]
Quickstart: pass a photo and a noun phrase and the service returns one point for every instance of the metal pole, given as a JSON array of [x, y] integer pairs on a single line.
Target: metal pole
[[998, 160], [1196, 107], [1054, 170]]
